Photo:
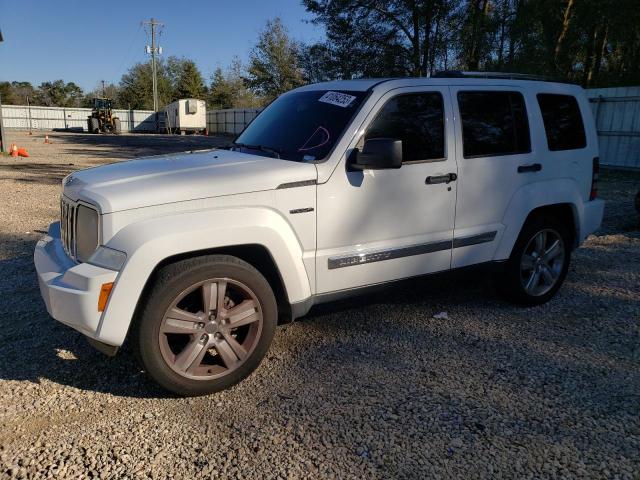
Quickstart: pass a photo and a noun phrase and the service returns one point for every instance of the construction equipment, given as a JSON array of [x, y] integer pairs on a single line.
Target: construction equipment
[[102, 119]]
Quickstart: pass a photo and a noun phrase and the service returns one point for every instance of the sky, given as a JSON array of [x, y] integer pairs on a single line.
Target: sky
[[47, 40]]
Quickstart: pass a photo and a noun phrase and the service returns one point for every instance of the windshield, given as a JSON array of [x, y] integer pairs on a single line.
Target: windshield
[[301, 126]]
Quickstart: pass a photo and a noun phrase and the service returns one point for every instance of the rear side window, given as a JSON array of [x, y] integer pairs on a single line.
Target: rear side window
[[562, 121], [493, 123], [418, 120]]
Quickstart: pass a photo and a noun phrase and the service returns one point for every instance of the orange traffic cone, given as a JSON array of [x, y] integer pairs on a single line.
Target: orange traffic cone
[[22, 152], [14, 150], [46, 139]]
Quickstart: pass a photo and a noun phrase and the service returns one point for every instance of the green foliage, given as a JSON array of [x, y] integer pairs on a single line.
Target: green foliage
[[111, 91], [593, 42], [58, 94], [273, 63], [22, 91], [6, 94], [186, 79], [136, 87], [228, 89]]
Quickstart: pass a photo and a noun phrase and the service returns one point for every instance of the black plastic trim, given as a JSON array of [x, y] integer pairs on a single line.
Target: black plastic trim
[[412, 250], [301, 210], [303, 183]]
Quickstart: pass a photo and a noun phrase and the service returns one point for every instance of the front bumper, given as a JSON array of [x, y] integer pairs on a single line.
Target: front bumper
[[70, 290]]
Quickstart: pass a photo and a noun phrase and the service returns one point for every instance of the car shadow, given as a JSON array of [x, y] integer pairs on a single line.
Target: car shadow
[[34, 347]]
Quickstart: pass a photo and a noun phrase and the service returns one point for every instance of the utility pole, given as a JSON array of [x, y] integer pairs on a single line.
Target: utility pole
[[154, 50], [3, 147]]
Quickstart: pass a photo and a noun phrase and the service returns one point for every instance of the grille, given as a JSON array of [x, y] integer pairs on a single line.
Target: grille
[[68, 215]]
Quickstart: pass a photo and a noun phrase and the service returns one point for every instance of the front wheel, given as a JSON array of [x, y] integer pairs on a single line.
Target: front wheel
[[206, 324], [538, 263]]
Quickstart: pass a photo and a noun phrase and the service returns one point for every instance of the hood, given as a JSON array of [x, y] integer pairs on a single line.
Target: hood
[[152, 181]]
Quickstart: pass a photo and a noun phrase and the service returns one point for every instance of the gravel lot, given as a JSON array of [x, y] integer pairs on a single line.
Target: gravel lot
[[369, 388]]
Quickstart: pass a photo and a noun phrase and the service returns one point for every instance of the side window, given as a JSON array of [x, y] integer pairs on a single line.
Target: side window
[[493, 123], [418, 120], [562, 121]]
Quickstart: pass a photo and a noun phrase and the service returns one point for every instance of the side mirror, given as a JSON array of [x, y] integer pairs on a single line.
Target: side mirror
[[377, 154]]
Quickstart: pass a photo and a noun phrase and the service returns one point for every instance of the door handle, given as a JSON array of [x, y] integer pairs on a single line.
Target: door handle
[[449, 177], [534, 167]]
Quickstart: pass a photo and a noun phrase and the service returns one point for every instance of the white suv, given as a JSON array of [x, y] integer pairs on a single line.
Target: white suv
[[333, 188]]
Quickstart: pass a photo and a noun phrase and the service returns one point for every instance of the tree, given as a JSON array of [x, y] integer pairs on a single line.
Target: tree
[[110, 91], [403, 37], [22, 91], [593, 42], [475, 38], [186, 80], [228, 89], [273, 62], [318, 63], [7, 94], [136, 87], [59, 94]]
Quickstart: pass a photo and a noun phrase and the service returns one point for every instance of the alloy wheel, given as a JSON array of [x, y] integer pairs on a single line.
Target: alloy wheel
[[542, 262], [211, 329]]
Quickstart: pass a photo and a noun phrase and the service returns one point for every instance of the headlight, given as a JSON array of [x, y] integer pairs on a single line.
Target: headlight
[[108, 258], [87, 237]]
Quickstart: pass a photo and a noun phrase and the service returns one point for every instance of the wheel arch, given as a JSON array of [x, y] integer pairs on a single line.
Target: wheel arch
[[256, 255], [564, 212], [559, 198], [259, 236]]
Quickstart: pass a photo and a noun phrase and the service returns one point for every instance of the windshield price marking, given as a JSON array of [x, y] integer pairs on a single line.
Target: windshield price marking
[[336, 98]]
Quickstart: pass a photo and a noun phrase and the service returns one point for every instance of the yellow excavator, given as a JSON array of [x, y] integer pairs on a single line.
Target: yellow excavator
[[101, 119]]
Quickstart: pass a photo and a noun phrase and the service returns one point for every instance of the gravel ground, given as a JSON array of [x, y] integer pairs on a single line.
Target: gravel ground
[[374, 387]]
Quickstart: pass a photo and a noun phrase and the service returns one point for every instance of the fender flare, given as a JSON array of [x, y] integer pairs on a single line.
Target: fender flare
[[535, 195], [149, 242]]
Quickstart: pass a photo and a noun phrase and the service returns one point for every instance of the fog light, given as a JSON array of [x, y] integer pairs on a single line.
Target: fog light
[[105, 291]]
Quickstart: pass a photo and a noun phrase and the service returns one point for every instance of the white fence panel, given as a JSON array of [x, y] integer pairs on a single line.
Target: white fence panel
[[617, 115], [230, 121], [58, 118]]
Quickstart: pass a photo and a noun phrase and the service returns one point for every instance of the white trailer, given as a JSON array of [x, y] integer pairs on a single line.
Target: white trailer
[[186, 115]]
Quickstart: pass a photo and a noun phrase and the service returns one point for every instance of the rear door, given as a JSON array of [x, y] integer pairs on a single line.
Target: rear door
[[495, 158]]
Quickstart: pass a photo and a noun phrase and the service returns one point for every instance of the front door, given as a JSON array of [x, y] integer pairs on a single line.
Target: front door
[[376, 226]]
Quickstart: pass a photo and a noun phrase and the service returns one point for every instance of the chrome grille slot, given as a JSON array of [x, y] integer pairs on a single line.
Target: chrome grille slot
[[68, 227]]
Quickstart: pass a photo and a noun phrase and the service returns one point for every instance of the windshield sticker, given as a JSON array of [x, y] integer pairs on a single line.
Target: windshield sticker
[[308, 158], [336, 98]]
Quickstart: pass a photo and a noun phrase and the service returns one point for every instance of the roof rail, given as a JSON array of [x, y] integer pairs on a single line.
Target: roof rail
[[495, 75]]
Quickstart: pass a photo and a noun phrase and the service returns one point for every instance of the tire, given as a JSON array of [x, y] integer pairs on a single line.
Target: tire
[[517, 280], [94, 125], [192, 353], [117, 127]]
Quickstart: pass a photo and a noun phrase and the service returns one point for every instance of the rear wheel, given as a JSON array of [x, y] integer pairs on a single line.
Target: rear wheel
[[206, 324], [538, 263]]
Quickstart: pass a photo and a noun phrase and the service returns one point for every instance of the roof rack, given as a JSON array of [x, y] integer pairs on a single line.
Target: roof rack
[[495, 75]]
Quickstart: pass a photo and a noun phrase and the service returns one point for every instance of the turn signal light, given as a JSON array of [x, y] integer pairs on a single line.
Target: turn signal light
[[105, 291]]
